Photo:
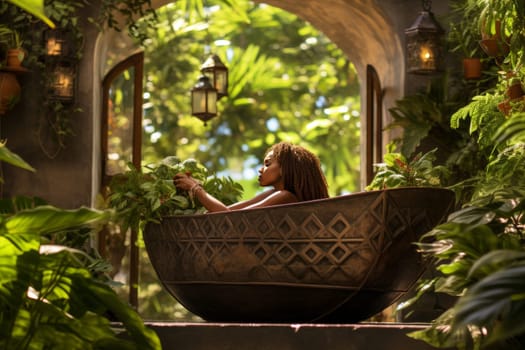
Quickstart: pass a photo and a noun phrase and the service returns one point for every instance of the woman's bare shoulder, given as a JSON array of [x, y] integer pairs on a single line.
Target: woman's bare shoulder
[[276, 197]]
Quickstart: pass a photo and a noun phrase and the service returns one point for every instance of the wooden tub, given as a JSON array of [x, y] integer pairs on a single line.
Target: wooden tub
[[341, 259]]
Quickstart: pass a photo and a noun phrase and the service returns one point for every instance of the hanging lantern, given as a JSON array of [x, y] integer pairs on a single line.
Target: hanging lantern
[[423, 39], [204, 99], [217, 72]]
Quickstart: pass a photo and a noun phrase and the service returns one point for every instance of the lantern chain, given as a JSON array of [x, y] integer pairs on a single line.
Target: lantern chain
[[427, 5]]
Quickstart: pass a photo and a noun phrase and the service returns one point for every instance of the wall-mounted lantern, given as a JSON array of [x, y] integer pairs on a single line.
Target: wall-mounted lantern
[[204, 99], [62, 84], [60, 63], [423, 42], [57, 43]]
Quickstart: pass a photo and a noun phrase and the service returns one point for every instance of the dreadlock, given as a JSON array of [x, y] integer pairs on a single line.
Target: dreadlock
[[301, 171]]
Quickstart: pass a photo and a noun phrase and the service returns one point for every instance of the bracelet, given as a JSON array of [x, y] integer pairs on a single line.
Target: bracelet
[[194, 189]]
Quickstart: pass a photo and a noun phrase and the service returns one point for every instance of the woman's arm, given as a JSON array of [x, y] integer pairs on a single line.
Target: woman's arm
[[212, 204], [270, 197]]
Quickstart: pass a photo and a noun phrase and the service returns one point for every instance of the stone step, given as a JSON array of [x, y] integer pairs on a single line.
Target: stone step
[[233, 336]]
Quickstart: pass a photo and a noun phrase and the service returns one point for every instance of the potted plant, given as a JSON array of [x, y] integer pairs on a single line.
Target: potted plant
[[501, 23], [12, 42], [464, 37]]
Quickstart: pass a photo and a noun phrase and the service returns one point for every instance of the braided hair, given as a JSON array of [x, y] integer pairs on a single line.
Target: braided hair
[[301, 171]]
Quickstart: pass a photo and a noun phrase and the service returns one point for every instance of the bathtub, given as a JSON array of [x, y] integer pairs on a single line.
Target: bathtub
[[336, 260]]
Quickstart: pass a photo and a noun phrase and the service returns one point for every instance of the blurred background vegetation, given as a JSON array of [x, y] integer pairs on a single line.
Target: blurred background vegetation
[[287, 82]]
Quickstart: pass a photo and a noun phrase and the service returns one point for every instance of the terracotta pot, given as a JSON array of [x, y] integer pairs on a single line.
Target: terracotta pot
[[15, 57], [515, 91], [472, 68], [342, 259], [497, 29], [494, 47], [9, 91], [504, 107]]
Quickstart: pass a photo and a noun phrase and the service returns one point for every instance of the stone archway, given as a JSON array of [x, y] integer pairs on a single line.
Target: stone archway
[[360, 30]]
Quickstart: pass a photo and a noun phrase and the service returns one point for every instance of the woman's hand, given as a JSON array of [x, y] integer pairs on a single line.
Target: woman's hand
[[184, 181]]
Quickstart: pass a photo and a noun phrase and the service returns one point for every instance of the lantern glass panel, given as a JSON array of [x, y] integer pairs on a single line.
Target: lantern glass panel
[[198, 99], [221, 82], [211, 101], [423, 53], [63, 83], [56, 43]]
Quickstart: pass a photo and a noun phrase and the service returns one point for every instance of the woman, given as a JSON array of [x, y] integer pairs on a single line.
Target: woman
[[294, 173]]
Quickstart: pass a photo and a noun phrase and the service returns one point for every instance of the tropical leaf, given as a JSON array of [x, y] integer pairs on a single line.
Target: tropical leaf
[[34, 7], [48, 219], [512, 130], [498, 297], [9, 157]]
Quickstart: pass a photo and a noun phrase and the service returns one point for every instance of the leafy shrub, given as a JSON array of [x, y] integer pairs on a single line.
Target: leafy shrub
[[148, 194], [397, 171]]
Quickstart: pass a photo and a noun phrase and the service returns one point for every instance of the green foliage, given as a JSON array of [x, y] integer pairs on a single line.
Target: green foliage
[[54, 128], [425, 120], [479, 251], [10, 37], [287, 82], [397, 171], [12, 158], [35, 8], [480, 254], [484, 117], [463, 35], [148, 194], [49, 297]]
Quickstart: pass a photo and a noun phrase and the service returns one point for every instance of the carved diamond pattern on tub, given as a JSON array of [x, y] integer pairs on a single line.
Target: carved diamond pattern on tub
[[264, 226], [225, 226], [312, 226], [194, 230], [176, 228], [396, 225], [339, 226], [285, 254], [312, 253], [297, 267], [374, 231], [205, 229], [286, 227], [241, 226], [262, 252], [338, 253]]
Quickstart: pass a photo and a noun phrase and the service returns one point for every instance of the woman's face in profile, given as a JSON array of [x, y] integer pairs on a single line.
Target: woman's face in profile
[[270, 172]]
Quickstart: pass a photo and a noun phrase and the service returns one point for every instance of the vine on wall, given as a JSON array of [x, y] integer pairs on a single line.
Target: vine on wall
[[54, 126]]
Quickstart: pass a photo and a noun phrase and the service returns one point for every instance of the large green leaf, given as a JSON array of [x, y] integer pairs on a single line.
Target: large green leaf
[[48, 219], [9, 157], [499, 296], [18, 261], [34, 7]]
